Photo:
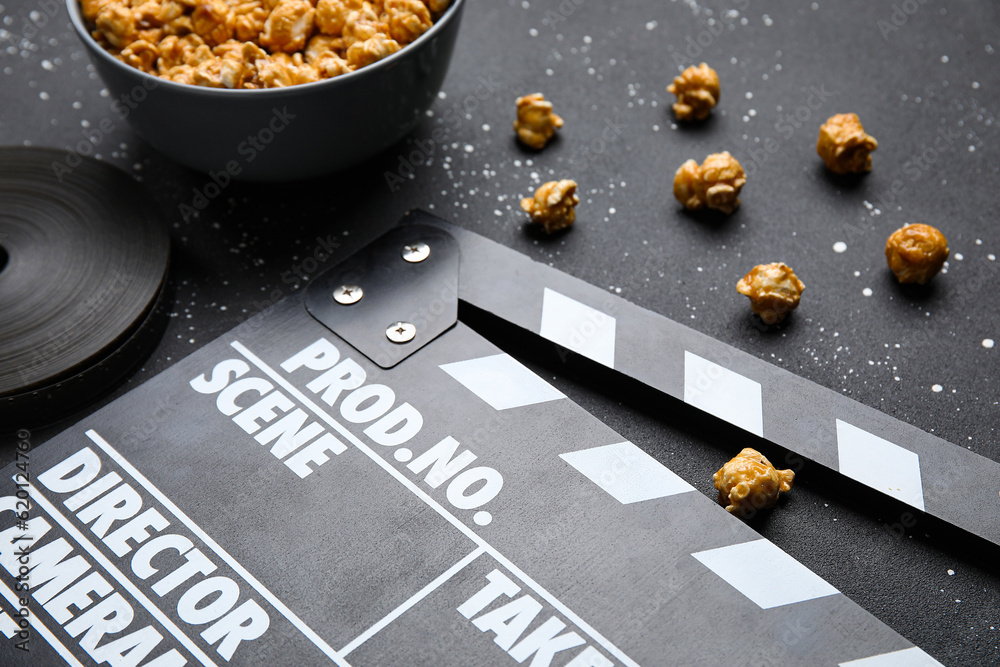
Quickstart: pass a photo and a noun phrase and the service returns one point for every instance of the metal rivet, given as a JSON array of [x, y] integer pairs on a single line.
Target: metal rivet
[[416, 252], [348, 294], [401, 332]]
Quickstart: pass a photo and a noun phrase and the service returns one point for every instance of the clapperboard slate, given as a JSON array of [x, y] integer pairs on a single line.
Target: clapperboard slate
[[304, 491]]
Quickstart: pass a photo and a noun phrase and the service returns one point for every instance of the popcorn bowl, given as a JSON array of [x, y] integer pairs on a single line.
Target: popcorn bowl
[[281, 134]]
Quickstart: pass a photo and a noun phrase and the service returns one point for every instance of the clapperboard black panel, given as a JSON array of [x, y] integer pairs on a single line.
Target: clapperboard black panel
[[278, 498]]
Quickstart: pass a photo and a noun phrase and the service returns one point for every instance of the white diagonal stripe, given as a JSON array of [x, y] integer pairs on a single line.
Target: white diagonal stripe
[[880, 464], [723, 393], [765, 574]]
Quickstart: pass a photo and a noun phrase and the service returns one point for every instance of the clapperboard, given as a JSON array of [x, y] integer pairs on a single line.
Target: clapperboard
[[350, 478]]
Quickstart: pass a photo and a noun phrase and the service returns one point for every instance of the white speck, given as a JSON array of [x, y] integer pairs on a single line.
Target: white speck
[[611, 210], [867, 291], [988, 343], [839, 246], [989, 49], [549, 72], [533, 32], [651, 25], [815, 6], [525, 4], [469, 148], [486, 127], [618, 290], [587, 39], [972, 149], [43, 95], [752, 112], [959, 256], [936, 388], [47, 64], [442, 95], [975, 85], [991, 257], [768, 21], [656, 128], [944, 59], [857, 274], [497, 213], [77, 105], [85, 123], [733, 61], [746, 119], [749, 95]]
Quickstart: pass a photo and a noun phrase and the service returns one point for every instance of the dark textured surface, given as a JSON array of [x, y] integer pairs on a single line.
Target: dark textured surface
[[253, 243]]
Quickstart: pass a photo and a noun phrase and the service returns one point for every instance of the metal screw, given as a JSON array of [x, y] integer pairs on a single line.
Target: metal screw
[[416, 252], [348, 294], [401, 332]]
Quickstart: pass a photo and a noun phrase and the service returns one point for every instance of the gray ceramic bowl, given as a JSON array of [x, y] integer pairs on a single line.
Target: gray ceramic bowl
[[281, 134]]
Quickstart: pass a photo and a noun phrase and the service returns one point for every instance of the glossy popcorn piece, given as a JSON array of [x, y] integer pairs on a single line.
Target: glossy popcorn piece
[[697, 91], [554, 205], [845, 146], [916, 253], [774, 291], [748, 483], [714, 184], [536, 123]]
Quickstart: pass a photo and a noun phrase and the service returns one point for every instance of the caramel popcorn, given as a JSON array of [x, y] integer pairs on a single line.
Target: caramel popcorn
[[553, 206], [408, 19], [536, 123], [749, 482], [774, 291], [288, 27], [844, 145], [213, 21], [361, 25], [331, 15], [916, 253], [697, 91], [371, 50], [141, 55], [116, 23], [256, 43], [715, 184]]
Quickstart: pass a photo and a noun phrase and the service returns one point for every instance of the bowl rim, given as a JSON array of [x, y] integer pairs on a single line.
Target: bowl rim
[[79, 25]]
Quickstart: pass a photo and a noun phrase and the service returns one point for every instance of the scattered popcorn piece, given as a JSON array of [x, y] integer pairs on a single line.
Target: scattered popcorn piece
[[554, 205], [536, 123], [715, 184], [774, 291], [749, 482], [844, 145], [916, 253], [697, 91]]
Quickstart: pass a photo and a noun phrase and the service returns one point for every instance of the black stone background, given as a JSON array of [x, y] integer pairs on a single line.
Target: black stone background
[[912, 70]]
